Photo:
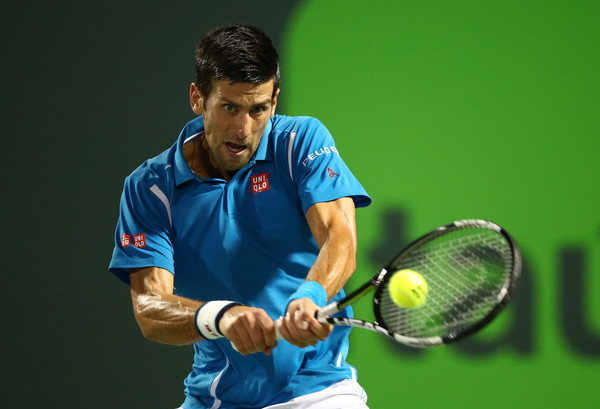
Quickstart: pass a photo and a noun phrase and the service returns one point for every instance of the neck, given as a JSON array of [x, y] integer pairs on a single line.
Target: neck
[[202, 162]]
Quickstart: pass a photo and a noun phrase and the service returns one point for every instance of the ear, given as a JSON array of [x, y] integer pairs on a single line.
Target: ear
[[274, 102], [196, 100]]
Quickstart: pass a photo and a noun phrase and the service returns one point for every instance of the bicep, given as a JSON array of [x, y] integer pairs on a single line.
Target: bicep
[[150, 281]]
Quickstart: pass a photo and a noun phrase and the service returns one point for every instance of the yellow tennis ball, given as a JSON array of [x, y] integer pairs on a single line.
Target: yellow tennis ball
[[408, 289]]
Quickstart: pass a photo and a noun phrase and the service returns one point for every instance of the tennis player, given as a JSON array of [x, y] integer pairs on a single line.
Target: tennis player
[[248, 217]]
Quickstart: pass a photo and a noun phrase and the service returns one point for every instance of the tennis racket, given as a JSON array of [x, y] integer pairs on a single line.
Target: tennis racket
[[471, 268]]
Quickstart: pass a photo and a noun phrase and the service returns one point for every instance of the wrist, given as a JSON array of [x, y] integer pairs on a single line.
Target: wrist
[[208, 316], [309, 289]]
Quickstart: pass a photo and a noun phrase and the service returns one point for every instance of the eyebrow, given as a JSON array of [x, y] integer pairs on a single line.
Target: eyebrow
[[262, 103], [267, 101]]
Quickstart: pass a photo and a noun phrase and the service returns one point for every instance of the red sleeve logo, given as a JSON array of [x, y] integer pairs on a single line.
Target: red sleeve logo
[[139, 240], [125, 240]]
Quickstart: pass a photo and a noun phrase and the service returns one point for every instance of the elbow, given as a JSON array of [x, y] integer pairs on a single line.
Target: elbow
[[147, 310], [148, 330]]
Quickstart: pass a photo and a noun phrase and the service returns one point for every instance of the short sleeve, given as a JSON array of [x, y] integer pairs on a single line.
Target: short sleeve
[[142, 236], [318, 169]]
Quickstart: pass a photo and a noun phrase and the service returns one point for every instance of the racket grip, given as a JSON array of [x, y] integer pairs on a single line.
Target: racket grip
[[277, 326], [326, 311]]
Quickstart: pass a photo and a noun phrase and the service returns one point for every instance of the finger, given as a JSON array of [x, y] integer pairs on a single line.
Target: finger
[[241, 334], [255, 330], [238, 341], [267, 326], [300, 337], [310, 329], [291, 333], [321, 330], [291, 328], [301, 320], [258, 331], [282, 329]]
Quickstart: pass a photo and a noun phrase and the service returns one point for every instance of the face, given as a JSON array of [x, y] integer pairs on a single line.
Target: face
[[235, 117]]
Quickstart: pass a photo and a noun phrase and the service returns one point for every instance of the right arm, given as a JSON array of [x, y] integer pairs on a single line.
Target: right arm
[[167, 318]]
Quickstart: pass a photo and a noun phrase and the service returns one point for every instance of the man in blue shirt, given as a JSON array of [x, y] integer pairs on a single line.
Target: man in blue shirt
[[248, 217]]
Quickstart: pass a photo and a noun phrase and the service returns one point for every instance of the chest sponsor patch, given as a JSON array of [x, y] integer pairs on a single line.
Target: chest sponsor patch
[[259, 183]]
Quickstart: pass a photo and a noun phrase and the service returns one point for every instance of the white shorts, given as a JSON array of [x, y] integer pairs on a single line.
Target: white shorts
[[346, 394]]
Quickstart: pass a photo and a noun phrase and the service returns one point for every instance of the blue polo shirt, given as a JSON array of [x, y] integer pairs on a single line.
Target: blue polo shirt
[[245, 240]]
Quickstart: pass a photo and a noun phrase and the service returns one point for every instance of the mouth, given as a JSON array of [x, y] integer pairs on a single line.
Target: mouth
[[234, 148]]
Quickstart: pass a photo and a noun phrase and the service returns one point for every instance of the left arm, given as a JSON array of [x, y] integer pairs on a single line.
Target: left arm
[[333, 226]]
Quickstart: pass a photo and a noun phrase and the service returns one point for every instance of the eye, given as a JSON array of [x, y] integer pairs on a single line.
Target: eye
[[229, 108], [258, 110]]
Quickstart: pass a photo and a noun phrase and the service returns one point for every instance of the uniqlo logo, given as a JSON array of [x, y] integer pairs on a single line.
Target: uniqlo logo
[[260, 183], [139, 240], [125, 240]]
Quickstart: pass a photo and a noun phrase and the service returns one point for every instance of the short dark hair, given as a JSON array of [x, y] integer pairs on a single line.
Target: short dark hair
[[238, 53]]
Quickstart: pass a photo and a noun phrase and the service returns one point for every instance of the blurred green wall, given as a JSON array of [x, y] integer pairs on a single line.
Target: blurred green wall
[[443, 110], [469, 109], [89, 91]]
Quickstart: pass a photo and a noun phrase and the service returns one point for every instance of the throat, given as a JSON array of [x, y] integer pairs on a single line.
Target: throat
[[202, 162]]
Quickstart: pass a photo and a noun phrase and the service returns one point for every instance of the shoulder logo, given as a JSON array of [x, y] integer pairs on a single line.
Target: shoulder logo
[[326, 150], [139, 240], [125, 240], [259, 183], [332, 174]]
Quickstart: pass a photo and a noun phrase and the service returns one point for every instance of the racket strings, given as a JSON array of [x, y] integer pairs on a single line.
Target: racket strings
[[466, 271]]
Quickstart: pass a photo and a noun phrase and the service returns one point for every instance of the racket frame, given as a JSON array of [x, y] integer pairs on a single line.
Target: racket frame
[[325, 314]]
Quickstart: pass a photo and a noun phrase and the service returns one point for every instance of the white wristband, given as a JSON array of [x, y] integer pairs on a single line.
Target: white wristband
[[208, 317]]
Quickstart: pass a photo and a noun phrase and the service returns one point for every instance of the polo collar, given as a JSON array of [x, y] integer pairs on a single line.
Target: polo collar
[[264, 151], [194, 129]]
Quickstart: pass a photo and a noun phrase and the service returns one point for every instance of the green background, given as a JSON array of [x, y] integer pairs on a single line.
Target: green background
[[444, 110], [469, 109]]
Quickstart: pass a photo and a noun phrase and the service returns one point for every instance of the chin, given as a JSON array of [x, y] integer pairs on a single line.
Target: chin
[[237, 165]]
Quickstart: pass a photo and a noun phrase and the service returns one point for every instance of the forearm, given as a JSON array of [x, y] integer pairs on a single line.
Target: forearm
[[162, 316], [170, 319], [166, 318], [335, 263], [334, 228]]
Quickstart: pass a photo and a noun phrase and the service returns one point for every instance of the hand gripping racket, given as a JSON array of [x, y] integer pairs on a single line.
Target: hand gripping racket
[[471, 268]]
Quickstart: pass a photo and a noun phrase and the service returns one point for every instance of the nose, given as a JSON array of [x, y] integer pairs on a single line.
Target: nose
[[244, 125]]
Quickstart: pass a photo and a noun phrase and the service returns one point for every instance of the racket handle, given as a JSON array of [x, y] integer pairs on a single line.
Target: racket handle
[[277, 326], [326, 311]]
